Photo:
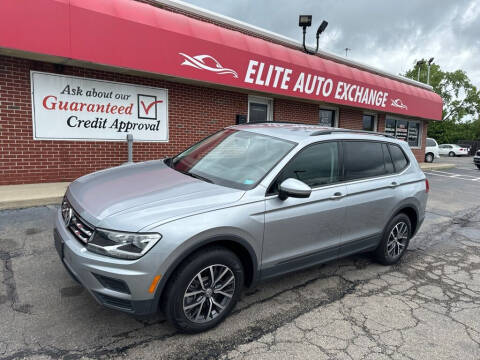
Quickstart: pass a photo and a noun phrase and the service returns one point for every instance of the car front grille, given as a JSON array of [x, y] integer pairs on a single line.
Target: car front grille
[[79, 228]]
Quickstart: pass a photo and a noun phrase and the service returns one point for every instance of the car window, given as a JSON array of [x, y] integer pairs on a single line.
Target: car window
[[398, 156], [431, 142], [315, 165], [363, 159], [233, 158], [387, 159]]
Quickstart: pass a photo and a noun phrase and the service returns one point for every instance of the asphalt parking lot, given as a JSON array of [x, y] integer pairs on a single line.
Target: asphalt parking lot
[[427, 307]]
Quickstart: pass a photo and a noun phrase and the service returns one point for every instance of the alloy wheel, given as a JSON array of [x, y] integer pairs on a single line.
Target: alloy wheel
[[208, 293], [397, 240]]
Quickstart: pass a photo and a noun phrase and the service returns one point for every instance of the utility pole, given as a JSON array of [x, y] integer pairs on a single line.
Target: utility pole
[[428, 70], [419, 65], [346, 51]]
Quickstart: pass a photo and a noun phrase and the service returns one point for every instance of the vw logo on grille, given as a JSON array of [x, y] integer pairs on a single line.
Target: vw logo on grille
[[66, 213]]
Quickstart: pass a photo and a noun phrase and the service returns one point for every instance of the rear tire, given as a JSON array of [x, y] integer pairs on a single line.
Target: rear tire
[[395, 240], [209, 302], [429, 157], [451, 154]]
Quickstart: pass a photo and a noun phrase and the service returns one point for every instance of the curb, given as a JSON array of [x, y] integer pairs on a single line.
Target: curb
[[431, 166], [20, 204], [27, 195]]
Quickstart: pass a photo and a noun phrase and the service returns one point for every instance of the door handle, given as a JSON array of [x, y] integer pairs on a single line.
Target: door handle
[[394, 184], [336, 196]]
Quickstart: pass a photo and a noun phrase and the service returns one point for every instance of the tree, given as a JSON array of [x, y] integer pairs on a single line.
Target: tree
[[461, 103]]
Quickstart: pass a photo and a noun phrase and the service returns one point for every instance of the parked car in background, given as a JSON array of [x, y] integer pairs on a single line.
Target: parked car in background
[[476, 159], [431, 150], [452, 150], [187, 234], [466, 146]]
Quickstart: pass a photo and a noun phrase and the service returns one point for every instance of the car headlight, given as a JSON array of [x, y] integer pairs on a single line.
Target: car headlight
[[122, 245]]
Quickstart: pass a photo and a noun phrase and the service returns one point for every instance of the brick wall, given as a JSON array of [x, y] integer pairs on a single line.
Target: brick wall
[[194, 112], [295, 111], [350, 118]]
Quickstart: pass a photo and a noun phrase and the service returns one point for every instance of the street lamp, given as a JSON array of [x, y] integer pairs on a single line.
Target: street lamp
[[419, 65], [305, 21], [428, 70]]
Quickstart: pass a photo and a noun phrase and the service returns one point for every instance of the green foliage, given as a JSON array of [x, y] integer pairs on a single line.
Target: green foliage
[[461, 104]]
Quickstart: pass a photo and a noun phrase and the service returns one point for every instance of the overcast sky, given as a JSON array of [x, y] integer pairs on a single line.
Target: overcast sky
[[387, 34]]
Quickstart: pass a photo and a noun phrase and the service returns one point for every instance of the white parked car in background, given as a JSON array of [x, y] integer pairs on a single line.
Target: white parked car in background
[[431, 150], [452, 150]]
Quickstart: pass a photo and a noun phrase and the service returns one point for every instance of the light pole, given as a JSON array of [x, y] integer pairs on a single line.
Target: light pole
[[428, 70], [305, 21], [419, 64]]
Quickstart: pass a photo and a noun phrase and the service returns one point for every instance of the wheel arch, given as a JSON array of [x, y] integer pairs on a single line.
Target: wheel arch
[[412, 212], [236, 244]]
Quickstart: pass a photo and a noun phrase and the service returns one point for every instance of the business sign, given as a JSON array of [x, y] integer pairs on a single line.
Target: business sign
[[75, 108], [132, 35]]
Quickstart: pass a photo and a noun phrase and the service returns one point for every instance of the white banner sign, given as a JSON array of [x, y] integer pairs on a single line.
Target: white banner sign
[[74, 108]]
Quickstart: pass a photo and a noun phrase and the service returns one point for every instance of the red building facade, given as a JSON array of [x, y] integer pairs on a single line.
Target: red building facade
[[213, 74]]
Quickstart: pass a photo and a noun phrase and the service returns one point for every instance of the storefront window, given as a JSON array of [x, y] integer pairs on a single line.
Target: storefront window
[[406, 130], [369, 122], [390, 127], [401, 130], [327, 117], [413, 133]]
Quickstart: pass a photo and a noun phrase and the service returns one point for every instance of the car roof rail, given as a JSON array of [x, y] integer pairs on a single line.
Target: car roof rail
[[278, 122], [331, 131]]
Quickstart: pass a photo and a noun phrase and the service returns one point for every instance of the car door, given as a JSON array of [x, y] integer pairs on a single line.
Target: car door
[[372, 192], [444, 149], [302, 232]]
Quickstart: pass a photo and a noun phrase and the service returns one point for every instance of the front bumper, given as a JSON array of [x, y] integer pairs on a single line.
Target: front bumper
[[476, 160], [118, 284]]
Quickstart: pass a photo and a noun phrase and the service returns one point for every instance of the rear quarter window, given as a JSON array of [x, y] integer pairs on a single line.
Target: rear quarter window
[[399, 158]]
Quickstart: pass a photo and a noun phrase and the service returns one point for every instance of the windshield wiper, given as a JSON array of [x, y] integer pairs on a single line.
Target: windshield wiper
[[200, 177]]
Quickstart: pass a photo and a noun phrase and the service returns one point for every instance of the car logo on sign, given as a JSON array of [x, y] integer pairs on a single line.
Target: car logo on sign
[[399, 103], [201, 62]]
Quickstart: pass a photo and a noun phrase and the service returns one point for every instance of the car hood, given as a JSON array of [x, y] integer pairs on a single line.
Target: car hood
[[132, 197]]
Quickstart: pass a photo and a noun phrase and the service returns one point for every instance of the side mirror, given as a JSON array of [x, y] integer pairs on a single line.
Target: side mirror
[[293, 188]]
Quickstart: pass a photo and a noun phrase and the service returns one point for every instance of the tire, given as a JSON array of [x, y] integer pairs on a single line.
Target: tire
[[181, 311], [451, 154], [478, 167], [429, 157], [385, 253]]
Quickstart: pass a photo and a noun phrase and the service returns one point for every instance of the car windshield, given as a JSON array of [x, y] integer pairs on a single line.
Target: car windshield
[[233, 158]]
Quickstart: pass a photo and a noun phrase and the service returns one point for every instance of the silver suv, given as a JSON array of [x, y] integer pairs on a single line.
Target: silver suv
[[187, 234]]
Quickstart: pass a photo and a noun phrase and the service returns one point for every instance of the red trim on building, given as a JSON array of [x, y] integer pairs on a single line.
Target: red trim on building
[[133, 35]]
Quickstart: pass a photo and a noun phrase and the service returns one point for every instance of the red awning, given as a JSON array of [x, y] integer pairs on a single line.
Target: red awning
[[134, 35]]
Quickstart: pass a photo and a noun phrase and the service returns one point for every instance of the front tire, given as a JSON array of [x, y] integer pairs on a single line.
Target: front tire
[[204, 290], [478, 167], [451, 154], [429, 157], [395, 240]]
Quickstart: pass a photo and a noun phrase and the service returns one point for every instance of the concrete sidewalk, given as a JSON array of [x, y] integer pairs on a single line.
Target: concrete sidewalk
[[436, 166], [26, 195]]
